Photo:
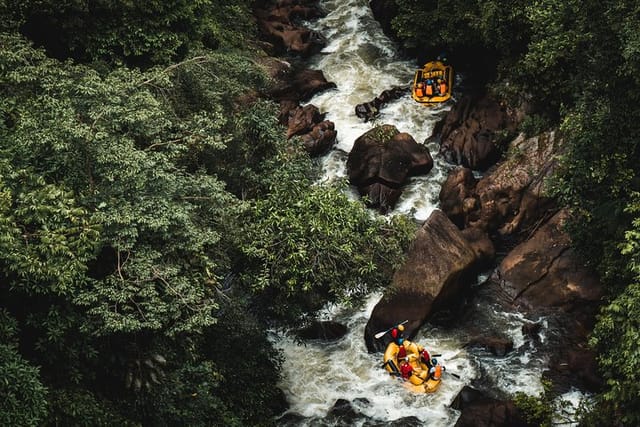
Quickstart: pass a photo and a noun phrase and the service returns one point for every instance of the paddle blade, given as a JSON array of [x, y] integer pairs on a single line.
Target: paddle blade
[[380, 335]]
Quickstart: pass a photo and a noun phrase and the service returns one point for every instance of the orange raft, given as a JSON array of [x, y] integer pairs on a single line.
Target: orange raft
[[437, 75], [420, 381]]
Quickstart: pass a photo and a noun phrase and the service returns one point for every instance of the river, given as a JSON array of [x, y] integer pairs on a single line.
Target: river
[[363, 62]]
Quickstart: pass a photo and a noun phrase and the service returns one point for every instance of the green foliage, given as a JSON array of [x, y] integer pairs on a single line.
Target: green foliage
[[24, 397], [616, 337], [142, 34], [114, 235], [312, 244]]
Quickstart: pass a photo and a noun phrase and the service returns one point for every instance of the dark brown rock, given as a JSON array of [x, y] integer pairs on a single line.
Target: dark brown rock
[[278, 24], [380, 162], [436, 272], [471, 132], [321, 138], [323, 330], [545, 272], [458, 187], [478, 410]]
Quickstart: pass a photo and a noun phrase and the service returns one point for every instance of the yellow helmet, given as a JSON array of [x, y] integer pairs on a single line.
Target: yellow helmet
[[401, 328]]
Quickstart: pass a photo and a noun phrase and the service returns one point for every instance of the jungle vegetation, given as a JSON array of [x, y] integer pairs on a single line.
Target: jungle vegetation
[[576, 64], [154, 219]]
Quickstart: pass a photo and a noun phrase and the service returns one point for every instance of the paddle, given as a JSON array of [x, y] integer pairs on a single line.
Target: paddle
[[381, 334], [455, 375]]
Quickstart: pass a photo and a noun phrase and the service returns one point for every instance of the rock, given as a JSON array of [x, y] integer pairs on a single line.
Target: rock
[[380, 162], [455, 191], [545, 272], [323, 330], [478, 410], [498, 346], [371, 109], [510, 198], [469, 134], [321, 138], [437, 271], [384, 11], [300, 85], [482, 246], [303, 119], [278, 26]]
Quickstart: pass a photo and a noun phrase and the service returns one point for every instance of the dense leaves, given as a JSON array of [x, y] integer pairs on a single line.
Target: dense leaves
[[310, 245], [574, 65], [129, 193]]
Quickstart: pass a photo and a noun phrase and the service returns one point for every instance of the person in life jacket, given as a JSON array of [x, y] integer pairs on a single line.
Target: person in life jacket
[[429, 88], [425, 357], [397, 334], [436, 369], [406, 370], [420, 90], [442, 85]]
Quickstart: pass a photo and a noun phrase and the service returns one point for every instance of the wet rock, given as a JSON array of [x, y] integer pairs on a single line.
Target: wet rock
[[574, 367], [323, 330], [438, 270], [544, 271], [383, 12], [278, 24], [454, 193], [321, 138], [482, 246], [478, 410], [472, 131], [498, 346], [532, 330], [370, 110], [380, 162], [303, 119], [300, 85], [509, 201]]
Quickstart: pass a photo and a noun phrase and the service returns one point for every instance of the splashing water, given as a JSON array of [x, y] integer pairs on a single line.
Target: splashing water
[[363, 62]]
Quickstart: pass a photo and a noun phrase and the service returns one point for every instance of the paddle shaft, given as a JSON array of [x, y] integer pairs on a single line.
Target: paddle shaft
[[380, 334]]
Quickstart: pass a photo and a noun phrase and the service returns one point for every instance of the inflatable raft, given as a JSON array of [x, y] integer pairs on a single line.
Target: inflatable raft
[[420, 381], [432, 83]]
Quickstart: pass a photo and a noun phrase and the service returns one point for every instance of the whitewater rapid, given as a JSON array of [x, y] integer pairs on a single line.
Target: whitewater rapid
[[363, 62]]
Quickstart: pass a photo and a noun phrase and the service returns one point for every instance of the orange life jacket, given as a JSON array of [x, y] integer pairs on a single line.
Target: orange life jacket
[[436, 372], [429, 90], [419, 91], [443, 88]]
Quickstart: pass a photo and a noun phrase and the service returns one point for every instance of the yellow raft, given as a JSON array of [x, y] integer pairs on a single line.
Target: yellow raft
[[433, 71], [420, 381]]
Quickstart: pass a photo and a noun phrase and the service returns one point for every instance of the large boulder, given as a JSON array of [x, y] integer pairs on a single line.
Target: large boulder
[[544, 274], [278, 24], [300, 85], [471, 132], [511, 197], [380, 162], [544, 271], [479, 410], [457, 198], [437, 271]]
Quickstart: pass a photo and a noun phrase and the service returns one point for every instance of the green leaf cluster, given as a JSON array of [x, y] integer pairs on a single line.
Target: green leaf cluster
[[576, 66], [153, 216]]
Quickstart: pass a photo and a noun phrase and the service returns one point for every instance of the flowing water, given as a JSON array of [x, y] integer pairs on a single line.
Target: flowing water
[[363, 62]]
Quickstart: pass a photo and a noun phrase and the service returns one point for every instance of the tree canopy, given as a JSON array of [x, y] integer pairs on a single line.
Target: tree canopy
[[576, 64], [152, 212]]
